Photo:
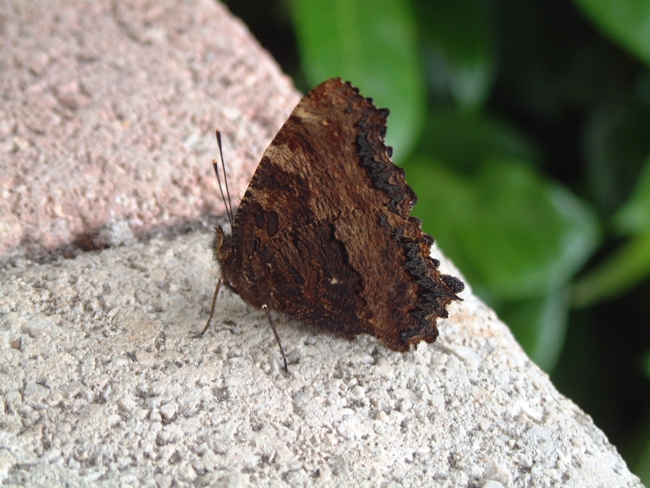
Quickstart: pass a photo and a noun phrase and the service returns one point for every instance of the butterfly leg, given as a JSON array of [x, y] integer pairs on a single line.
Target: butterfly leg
[[277, 337], [214, 302]]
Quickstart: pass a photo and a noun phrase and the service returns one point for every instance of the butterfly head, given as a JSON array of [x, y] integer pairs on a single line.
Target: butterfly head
[[222, 245], [222, 249]]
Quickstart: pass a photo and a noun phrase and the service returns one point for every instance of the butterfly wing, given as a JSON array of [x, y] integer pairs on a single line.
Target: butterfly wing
[[329, 157], [366, 271], [324, 231]]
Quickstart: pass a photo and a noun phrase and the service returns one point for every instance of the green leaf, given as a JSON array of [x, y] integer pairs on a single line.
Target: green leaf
[[459, 38], [634, 217], [373, 44], [539, 324], [615, 144], [625, 21], [629, 265], [513, 234], [465, 140]]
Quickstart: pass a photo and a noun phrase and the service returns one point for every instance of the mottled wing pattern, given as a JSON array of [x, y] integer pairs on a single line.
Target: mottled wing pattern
[[365, 271], [324, 234], [328, 158]]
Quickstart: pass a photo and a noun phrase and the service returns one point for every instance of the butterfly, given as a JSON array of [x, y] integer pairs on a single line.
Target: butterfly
[[324, 232]]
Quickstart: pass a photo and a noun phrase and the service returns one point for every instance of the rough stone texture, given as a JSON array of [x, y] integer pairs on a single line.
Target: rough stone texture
[[109, 110], [104, 383], [106, 123]]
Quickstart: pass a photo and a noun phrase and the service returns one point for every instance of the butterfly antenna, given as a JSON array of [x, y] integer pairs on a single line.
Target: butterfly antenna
[[215, 165]]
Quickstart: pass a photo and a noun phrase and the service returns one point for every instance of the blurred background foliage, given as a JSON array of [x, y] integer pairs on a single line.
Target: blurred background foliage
[[524, 128]]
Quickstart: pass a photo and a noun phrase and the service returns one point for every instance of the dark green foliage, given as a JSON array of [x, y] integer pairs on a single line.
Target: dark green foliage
[[524, 128]]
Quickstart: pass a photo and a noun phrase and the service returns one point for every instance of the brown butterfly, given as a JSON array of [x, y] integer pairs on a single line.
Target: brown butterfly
[[324, 231]]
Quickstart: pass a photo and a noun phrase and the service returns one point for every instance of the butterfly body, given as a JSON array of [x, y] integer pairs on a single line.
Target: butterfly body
[[324, 231]]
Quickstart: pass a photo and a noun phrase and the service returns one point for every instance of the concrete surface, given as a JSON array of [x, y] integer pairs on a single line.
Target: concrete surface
[[105, 132], [103, 383], [109, 111]]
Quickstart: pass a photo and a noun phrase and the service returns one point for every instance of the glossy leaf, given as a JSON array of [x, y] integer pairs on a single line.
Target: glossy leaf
[[615, 144], [629, 265], [459, 42], [625, 21], [512, 233], [465, 140], [634, 217], [373, 44]]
